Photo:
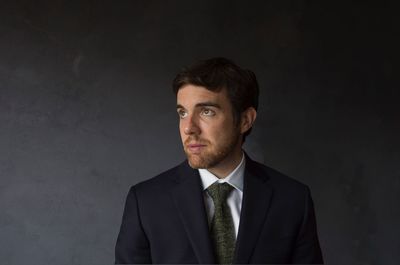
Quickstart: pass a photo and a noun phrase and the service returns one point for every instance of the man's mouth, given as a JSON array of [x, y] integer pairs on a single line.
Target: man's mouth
[[195, 148]]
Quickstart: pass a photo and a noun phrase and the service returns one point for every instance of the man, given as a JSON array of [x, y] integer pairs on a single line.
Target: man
[[219, 206]]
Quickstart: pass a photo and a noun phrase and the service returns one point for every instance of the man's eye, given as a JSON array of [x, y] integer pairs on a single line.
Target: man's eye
[[182, 114], [208, 112]]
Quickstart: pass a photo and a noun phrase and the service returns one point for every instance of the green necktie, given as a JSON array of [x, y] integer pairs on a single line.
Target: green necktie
[[222, 229]]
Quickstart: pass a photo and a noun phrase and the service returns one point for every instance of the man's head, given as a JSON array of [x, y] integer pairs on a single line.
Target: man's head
[[217, 74], [217, 102]]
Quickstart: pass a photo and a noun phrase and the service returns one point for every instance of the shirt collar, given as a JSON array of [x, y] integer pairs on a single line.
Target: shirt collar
[[235, 178]]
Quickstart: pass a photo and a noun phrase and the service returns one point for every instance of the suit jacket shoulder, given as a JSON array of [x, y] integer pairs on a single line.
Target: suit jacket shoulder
[[279, 181], [166, 207], [163, 182]]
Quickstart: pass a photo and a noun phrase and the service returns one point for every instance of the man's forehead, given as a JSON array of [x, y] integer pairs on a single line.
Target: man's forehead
[[191, 94]]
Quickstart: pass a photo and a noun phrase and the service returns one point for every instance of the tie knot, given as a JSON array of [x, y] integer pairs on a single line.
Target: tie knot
[[219, 192]]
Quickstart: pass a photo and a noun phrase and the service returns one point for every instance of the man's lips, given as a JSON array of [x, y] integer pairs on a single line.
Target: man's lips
[[195, 145], [195, 148]]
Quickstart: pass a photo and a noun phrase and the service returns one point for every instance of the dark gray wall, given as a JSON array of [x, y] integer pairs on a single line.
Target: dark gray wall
[[86, 110]]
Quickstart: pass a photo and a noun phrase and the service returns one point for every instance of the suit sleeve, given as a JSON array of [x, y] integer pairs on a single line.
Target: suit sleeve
[[132, 245], [308, 250]]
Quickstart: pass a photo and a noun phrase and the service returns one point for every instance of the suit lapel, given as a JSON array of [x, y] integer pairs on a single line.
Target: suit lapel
[[188, 198], [256, 200]]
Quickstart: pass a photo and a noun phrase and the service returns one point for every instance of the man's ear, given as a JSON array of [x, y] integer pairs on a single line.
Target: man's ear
[[247, 119]]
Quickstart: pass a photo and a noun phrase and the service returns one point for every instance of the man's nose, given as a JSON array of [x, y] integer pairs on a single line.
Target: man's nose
[[191, 125]]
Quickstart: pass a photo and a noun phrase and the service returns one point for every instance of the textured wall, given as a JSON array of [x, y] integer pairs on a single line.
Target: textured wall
[[86, 110]]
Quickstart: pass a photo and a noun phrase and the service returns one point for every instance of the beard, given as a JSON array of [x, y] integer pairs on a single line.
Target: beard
[[212, 155]]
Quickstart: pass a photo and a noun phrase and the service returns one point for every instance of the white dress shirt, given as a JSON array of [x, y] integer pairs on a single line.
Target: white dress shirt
[[234, 200]]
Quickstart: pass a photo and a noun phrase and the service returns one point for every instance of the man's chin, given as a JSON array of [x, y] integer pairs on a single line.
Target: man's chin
[[197, 162]]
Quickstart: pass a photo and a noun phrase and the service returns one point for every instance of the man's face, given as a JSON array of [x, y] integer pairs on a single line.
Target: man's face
[[209, 133]]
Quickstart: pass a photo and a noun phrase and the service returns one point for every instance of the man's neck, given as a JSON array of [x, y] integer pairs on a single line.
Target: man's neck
[[225, 167]]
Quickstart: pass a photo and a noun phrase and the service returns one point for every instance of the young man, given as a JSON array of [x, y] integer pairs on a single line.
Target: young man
[[218, 206]]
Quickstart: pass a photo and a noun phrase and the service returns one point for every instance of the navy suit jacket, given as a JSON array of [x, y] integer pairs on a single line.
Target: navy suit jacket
[[165, 220]]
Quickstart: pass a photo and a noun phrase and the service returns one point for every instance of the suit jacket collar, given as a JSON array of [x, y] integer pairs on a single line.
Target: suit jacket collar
[[188, 197], [257, 193]]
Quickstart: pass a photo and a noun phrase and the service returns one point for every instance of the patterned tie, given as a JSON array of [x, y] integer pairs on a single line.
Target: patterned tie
[[222, 229]]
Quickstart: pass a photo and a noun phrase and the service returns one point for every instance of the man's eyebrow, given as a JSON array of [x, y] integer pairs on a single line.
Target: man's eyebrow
[[202, 104], [208, 104]]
